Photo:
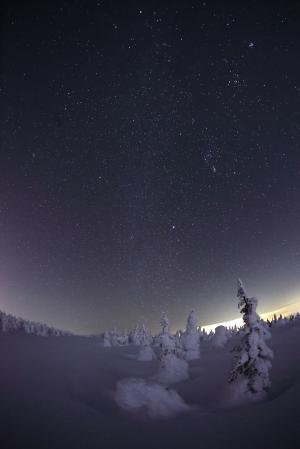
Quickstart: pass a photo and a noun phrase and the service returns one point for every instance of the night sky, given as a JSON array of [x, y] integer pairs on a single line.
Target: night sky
[[149, 156]]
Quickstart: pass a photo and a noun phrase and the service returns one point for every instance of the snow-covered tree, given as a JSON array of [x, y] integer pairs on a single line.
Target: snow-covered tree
[[220, 337], [203, 334], [139, 335], [144, 335], [134, 336], [146, 353], [171, 368], [123, 338], [250, 375], [178, 345], [114, 337], [191, 338], [11, 324], [235, 330], [165, 324], [106, 339]]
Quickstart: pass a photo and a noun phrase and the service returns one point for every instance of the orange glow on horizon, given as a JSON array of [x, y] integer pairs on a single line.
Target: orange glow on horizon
[[287, 310]]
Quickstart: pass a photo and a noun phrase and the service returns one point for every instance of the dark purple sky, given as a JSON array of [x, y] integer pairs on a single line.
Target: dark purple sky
[[149, 157]]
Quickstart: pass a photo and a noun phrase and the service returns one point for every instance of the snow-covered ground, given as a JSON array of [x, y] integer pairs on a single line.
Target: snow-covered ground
[[61, 393]]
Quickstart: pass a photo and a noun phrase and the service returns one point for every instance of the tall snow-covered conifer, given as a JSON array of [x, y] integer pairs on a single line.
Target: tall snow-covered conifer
[[171, 368], [191, 338], [146, 353], [250, 375], [164, 321]]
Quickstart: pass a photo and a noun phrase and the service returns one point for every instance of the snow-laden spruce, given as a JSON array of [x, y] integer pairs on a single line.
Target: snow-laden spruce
[[138, 335], [191, 338], [146, 353], [134, 336], [171, 368], [165, 324], [145, 336], [250, 375], [115, 338]]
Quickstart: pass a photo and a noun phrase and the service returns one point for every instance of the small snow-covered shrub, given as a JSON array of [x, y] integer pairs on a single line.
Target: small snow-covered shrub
[[137, 395]]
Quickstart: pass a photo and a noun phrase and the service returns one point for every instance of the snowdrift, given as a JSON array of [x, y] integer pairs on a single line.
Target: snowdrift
[[139, 395]]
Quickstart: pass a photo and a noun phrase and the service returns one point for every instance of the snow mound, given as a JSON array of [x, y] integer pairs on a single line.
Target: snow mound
[[134, 395]]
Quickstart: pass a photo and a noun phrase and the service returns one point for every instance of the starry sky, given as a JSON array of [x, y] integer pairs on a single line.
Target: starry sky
[[149, 156]]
